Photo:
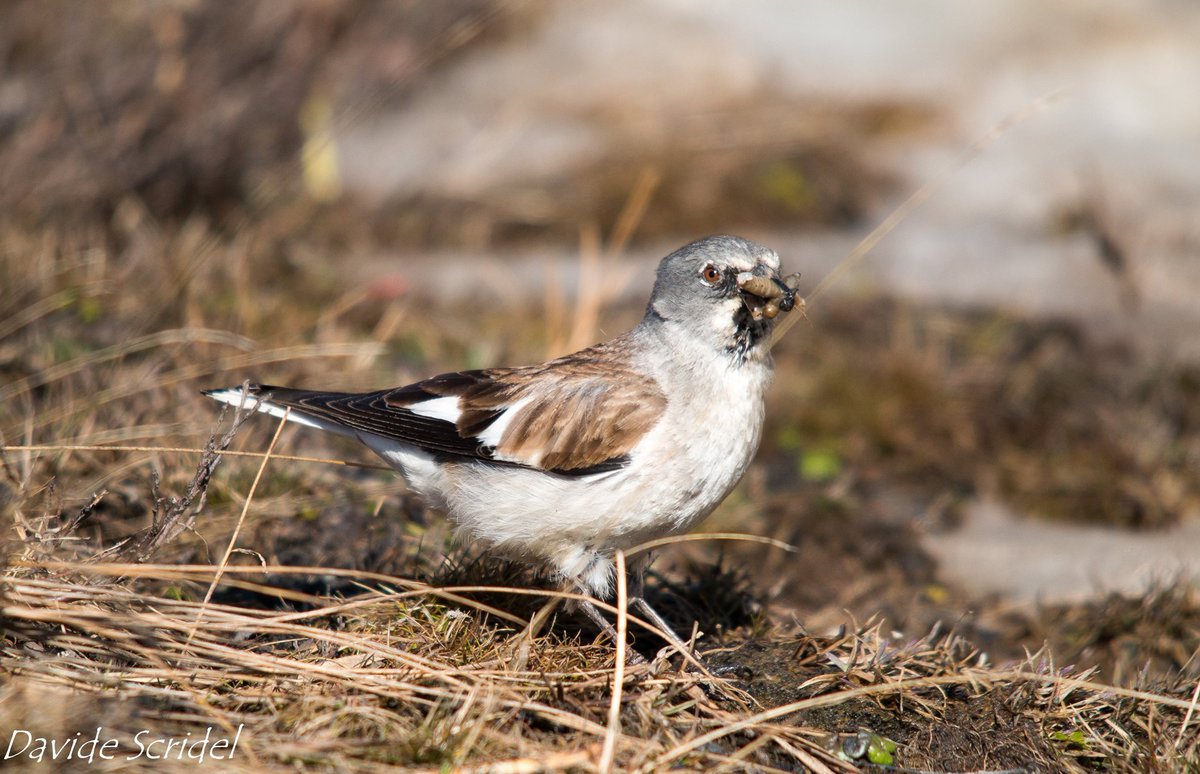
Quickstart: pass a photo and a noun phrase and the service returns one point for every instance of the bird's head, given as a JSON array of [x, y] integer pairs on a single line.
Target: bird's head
[[725, 289]]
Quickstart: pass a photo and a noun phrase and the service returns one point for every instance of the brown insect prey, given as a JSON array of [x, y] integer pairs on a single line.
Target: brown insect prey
[[776, 296]]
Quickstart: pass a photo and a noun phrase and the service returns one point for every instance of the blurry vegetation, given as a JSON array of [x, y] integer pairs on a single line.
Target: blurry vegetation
[[1032, 412], [1131, 638], [749, 166], [195, 107]]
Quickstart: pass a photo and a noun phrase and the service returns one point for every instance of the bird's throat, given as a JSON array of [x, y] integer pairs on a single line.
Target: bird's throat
[[748, 334]]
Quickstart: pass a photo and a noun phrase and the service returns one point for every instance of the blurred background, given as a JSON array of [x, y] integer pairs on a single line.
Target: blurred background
[[993, 419]]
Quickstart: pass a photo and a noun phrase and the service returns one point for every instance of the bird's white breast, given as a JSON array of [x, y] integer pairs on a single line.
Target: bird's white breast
[[705, 443], [678, 473]]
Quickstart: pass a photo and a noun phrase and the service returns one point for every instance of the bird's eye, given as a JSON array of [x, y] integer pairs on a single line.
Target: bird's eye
[[710, 274]]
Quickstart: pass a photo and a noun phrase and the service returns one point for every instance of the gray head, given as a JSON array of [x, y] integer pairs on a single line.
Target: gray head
[[708, 287]]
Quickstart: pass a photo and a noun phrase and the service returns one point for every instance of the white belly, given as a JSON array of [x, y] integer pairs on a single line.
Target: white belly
[[680, 471]]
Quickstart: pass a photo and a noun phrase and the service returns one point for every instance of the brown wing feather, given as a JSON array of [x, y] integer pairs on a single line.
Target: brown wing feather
[[581, 411], [578, 415], [581, 421]]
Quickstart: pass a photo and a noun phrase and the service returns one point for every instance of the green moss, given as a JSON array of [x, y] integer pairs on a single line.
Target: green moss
[[818, 465]]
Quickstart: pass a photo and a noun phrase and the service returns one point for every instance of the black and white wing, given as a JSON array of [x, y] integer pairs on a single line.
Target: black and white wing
[[578, 415]]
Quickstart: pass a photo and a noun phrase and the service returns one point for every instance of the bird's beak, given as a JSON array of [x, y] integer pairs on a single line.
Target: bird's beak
[[766, 294]]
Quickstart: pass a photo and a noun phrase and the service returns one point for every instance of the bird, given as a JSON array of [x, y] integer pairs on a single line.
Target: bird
[[563, 463]]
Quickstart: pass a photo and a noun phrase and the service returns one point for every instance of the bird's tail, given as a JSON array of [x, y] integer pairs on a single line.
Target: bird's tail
[[278, 401]]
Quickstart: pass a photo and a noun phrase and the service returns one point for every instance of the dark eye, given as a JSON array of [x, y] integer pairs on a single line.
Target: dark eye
[[710, 274]]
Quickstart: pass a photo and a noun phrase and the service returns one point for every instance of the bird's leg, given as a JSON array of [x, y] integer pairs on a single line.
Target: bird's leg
[[637, 598], [598, 618], [593, 612]]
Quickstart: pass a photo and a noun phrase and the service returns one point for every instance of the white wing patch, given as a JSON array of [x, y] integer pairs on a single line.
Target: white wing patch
[[495, 431], [445, 409]]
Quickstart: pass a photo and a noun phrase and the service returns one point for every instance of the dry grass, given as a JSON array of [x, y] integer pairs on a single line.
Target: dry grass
[[397, 677], [347, 633], [200, 107]]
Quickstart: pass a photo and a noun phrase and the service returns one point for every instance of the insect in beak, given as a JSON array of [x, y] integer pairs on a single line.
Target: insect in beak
[[770, 295]]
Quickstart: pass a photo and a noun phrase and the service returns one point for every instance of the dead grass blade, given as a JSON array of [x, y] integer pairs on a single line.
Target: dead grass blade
[[241, 520], [190, 372], [973, 677], [170, 516], [190, 450], [1187, 719], [614, 709], [39, 309], [149, 341], [693, 537], [916, 200]]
